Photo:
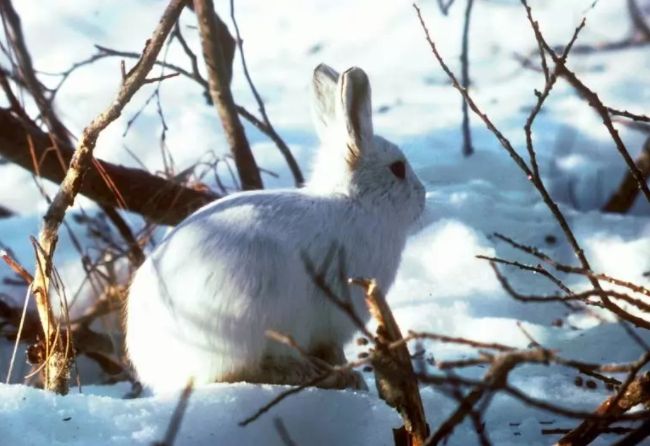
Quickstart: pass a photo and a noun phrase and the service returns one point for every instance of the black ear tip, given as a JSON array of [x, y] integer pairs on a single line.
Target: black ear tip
[[323, 70], [357, 76]]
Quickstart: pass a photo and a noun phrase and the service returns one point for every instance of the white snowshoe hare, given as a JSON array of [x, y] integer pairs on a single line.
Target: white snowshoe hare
[[201, 303]]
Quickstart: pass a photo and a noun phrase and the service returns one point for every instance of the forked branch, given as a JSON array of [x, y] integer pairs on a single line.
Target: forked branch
[[56, 368]]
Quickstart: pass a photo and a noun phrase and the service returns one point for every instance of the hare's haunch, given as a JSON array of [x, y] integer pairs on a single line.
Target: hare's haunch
[[201, 303]]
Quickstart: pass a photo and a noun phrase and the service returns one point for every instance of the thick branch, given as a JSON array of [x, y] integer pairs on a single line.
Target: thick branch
[[27, 73], [211, 28], [157, 199], [394, 374]]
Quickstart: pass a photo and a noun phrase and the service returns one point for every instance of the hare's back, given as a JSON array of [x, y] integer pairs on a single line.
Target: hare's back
[[250, 241], [288, 216]]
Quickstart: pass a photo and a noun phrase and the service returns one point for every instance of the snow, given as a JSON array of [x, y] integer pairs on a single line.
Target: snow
[[441, 287], [105, 419]]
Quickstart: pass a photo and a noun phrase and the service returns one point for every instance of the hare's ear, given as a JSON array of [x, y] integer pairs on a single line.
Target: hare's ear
[[355, 111], [324, 97]]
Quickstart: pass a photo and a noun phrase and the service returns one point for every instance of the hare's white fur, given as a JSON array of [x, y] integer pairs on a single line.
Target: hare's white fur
[[200, 304]]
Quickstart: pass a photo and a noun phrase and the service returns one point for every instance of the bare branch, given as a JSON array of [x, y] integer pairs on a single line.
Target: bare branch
[[483, 391], [394, 372], [270, 131], [595, 102], [17, 267], [472, 105], [219, 72], [444, 6], [320, 280], [536, 180], [636, 15], [495, 378], [81, 161], [456, 340], [153, 80], [573, 269], [551, 78], [535, 269], [196, 76], [157, 199], [539, 185], [626, 114], [636, 436], [282, 431], [177, 417], [582, 296], [282, 396], [464, 58]]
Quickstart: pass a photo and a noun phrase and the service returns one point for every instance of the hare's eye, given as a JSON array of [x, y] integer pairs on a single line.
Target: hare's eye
[[399, 169]]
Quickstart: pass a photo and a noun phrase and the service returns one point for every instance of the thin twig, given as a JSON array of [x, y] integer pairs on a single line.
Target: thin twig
[[319, 279], [282, 431], [541, 97], [526, 399], [444, 6], [282, 396], [536, 269], [594, 101], [19, 333], [153, 80], [177, 417], [464, 59], [581, 296], [194, 75], [495, 378], [626, 114], [456, 340], [27, 73], [572, 269], [270, 131], [539, 185], [155, 198], [636, 15]]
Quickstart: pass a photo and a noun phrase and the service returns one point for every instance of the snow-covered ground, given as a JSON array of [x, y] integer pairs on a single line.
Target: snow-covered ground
[[441, 286]]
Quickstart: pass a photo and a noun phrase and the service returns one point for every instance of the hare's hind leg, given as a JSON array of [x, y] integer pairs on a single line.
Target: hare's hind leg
[[295, 370], [274, 369]]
